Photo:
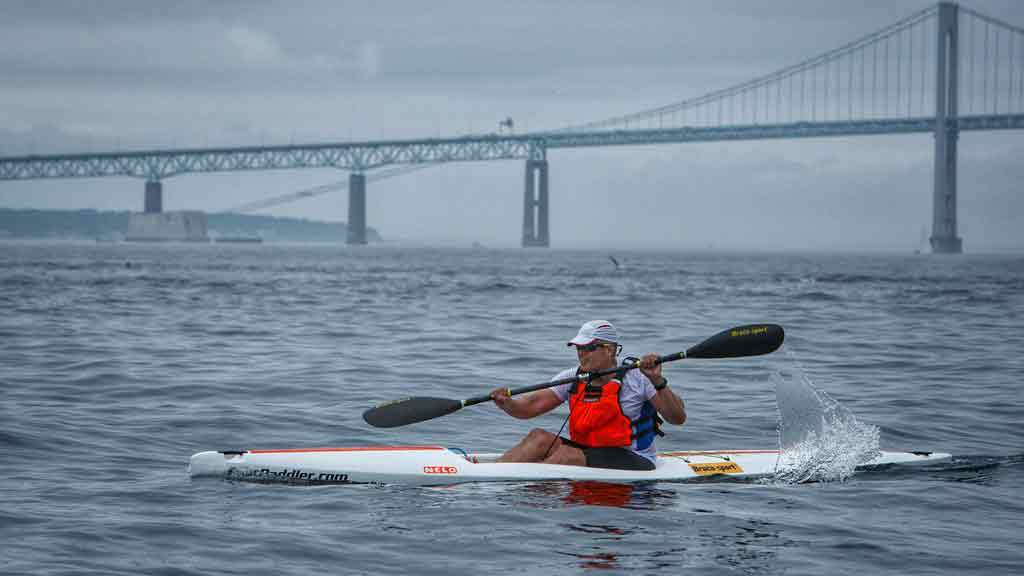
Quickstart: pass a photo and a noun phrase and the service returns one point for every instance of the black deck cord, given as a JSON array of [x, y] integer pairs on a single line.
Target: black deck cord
[[555, 439], [590, 378]]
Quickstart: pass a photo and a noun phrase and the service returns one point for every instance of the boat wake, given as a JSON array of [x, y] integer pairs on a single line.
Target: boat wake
[[819, 439]]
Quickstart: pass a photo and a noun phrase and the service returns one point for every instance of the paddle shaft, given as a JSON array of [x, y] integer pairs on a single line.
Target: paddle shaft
[[582, 377]]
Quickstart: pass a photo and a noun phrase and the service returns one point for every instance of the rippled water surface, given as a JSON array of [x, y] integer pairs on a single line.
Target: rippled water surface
[[117, 362]]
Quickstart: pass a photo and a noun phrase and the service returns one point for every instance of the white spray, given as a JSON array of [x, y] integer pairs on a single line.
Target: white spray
[[820, 440]]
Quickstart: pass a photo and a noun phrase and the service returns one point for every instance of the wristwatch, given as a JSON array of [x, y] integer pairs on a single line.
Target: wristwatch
[[663, 385]]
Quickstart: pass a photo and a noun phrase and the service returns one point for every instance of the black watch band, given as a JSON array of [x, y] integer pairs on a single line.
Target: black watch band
[[662, 386]]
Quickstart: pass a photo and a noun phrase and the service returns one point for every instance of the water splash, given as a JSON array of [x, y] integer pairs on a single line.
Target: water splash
[[819, 440]]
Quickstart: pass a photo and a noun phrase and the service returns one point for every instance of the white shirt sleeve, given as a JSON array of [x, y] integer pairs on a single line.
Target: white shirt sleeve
[[562, 390], [642, 383]]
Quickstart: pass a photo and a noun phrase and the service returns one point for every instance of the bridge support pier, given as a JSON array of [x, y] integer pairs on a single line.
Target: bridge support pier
[[356, 230], [154, 199], [535, 205], [944, 239]]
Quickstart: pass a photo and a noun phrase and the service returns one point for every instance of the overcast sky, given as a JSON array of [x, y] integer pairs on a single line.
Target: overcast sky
[[102, 76]]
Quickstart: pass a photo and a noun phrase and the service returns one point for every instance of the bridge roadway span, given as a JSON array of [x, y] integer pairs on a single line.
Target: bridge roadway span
[[155, 165]]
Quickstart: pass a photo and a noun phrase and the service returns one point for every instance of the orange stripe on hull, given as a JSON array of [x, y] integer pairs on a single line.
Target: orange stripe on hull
[[360, 449], [716, 452]]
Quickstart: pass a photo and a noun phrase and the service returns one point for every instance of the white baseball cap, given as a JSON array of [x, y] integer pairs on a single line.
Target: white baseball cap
[[595, 330]]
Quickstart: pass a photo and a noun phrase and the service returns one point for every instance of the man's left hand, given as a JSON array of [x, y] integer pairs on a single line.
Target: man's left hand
[[650, 368]]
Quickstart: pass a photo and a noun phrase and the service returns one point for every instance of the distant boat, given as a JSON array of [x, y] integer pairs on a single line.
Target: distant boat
[[239, 239]]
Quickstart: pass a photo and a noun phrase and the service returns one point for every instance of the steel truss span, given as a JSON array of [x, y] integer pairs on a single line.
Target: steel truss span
[[353, 156]]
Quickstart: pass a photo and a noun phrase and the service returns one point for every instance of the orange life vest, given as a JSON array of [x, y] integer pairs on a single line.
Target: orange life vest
[[596, 418]]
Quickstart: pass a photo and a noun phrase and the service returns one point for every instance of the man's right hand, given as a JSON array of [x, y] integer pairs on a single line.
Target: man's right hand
[[501, 398], [526, 406]]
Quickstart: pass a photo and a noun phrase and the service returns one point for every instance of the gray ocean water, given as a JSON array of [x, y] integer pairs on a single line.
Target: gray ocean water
[[118, 361]]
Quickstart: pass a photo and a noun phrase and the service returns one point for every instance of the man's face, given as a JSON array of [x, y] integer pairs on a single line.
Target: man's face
[[598, 355]]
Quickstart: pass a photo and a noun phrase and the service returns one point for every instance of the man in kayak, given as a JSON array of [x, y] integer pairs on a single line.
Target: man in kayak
[[612, 419]]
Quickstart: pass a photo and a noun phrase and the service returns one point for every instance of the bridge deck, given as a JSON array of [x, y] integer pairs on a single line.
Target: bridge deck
[[363, 156]]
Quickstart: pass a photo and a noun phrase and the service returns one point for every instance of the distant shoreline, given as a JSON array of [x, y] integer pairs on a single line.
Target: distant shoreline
[[27, 224]]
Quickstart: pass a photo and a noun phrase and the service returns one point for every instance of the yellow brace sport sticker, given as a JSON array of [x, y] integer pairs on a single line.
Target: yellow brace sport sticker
[[752, 331], [709, 468]]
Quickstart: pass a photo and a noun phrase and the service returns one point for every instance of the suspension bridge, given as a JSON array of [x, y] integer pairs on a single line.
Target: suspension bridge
[[943, 70]]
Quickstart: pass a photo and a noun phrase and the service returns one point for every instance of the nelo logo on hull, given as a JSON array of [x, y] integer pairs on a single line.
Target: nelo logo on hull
[[440, 470]]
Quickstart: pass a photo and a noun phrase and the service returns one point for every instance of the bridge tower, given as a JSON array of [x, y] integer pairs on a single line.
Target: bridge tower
[[535, 202], [944, 239], [356, 232], [154, 199]]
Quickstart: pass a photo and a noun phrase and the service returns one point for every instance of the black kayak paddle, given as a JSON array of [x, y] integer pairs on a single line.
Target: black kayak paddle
[[749, 340]]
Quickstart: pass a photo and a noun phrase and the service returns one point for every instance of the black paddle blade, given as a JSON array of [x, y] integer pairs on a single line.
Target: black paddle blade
[[409, 411], [749, 340]]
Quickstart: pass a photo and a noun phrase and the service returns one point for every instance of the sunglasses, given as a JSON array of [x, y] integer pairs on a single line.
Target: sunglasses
[[590, 347]]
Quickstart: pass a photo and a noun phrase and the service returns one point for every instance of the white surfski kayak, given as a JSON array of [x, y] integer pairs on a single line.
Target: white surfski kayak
[[433, 465]]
